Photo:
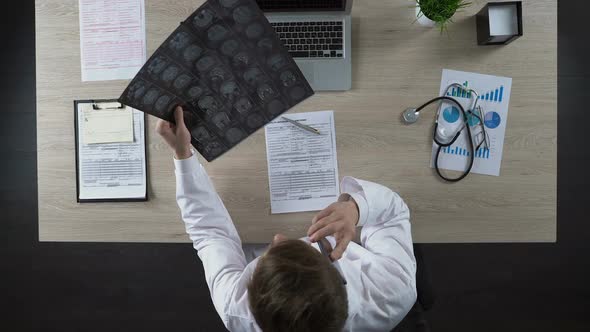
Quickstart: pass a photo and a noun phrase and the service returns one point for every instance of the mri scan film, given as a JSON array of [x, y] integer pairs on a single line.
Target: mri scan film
[[228, 70]]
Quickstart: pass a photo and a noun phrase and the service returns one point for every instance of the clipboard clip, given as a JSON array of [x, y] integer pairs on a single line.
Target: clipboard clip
[[107, 106]]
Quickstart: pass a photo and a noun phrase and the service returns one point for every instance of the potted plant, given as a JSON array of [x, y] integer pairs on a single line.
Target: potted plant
[[438, 12]]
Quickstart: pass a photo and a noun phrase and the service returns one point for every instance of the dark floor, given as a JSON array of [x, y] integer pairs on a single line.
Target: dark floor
[[157, 287]]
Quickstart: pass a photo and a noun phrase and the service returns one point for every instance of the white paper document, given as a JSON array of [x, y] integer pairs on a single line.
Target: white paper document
[[302, 166], [112, 170], [108, 126], [112, 39], [494, 97]]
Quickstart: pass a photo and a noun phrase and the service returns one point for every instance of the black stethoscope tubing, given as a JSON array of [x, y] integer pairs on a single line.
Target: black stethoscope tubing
[[442, 145]]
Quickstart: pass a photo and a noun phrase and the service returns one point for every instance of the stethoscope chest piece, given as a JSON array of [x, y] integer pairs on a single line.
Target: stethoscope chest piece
[[410, 115]]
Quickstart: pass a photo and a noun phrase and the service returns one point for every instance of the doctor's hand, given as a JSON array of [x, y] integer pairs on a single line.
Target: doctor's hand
[[176, 135], [338, 219]]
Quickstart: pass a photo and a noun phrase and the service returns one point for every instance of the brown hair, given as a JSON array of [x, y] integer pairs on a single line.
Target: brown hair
[[295, 288]]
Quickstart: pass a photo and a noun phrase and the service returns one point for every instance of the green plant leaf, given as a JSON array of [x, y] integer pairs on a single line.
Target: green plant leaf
[[440, 11]]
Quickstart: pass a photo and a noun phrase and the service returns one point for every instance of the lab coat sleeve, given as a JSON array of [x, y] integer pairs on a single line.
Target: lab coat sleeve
[[386, 233], [212, 232]]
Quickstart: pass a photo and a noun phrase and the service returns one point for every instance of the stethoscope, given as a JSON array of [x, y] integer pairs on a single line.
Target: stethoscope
[[441, 137]]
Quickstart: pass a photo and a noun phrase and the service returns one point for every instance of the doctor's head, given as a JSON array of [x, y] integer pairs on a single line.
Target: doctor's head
[[296, 288]]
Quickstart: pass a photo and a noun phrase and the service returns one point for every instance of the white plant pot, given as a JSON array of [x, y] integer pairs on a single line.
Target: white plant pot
[[423, 20]]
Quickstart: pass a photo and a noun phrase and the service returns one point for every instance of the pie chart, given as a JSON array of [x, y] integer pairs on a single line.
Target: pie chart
[[492, 120], [451, 114]]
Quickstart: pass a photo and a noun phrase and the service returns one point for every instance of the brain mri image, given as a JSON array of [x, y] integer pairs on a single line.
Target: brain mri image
[[265, 91], [206, 62], [234, 135], [244, 14], [255, 121], [214, 149], [150, 97], [170, 74], [195, 92], [201, 134], [241, 60], [230, 47], [230, 90], [182, 81], [219, 75], [192, 53], [136, 90], [179, 41], [203, 18], [243, 105], [156, 65], [275, 107], [297, 93], [226, 67], [277, 62], [162, 103], [265, 45], [254, 31], [217, 32], [288, 78], [221, 121], [209, 104], [253, 76]]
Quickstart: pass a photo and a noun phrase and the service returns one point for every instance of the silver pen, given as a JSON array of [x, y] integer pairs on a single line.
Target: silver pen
[[302, 126]]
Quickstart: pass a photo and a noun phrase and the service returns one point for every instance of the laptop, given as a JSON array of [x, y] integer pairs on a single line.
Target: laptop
[[317, 35]]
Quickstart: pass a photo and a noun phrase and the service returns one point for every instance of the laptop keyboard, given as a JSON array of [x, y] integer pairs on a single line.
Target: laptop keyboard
[[312, 39]]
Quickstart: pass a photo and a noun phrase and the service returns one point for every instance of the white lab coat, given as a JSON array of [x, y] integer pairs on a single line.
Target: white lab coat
[[380, 273]]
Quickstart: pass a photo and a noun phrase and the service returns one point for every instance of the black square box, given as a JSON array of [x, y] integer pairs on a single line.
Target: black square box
[[499, 23]]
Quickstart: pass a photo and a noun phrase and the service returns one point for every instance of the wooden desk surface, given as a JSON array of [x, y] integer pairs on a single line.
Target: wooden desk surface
[[396, 64]]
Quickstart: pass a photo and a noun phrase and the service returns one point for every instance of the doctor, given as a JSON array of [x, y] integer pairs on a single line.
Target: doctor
[[292, 286]]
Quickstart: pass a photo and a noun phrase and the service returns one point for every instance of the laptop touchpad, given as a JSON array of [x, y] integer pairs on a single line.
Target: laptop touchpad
[[308, 70]]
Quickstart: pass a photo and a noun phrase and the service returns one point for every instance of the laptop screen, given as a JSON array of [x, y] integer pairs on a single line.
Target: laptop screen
[[301, 5]]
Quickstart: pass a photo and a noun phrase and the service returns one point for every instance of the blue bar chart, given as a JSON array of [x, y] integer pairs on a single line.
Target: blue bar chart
[[483, 153], [461, 93], [494, 95]]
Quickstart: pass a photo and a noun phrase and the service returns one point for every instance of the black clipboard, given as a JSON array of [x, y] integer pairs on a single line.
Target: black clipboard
[[96, 105]]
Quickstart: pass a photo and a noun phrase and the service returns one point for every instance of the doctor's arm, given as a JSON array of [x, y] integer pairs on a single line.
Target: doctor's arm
[[206, 219], [389, 276], [385, 221]]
